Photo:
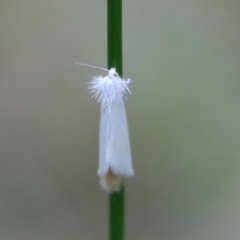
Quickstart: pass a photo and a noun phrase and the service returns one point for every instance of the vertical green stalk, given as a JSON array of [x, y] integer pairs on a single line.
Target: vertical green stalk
[[116, 199], [116, 215], [115, 35]]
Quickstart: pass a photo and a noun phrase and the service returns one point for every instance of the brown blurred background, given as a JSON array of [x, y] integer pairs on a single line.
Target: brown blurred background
[[184, 119]]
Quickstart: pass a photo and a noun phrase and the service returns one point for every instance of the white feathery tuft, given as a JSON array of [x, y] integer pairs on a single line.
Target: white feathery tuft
[[109, 89]]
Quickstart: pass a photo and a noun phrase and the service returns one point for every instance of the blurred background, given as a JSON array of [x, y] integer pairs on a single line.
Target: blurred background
[[184, 119]]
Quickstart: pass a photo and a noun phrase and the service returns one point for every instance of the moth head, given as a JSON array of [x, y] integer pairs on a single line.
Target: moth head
[[112, 72]]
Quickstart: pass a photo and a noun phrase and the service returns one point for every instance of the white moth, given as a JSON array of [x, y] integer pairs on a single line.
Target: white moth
[[114, 148]]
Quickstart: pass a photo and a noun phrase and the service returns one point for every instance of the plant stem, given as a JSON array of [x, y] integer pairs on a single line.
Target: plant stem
[[115, 35], [116, 199], [116, 215]]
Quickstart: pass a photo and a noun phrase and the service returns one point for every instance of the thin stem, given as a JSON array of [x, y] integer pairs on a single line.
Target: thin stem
[[115, 35], [116, 215], [116, 199]]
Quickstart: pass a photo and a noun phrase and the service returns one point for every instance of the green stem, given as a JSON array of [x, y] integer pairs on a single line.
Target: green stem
[[116, 215], [116, 199], [115, 35]]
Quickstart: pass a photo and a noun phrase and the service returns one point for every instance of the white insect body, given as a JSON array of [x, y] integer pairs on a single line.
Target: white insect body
[[114, 151]]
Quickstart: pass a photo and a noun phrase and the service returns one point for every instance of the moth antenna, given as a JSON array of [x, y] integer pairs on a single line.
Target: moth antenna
[[88, 65]]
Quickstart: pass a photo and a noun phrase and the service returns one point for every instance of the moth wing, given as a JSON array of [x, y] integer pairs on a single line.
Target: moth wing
[[114, 142]]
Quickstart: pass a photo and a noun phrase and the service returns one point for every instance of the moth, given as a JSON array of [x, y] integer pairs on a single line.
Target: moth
[[115, 162]]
